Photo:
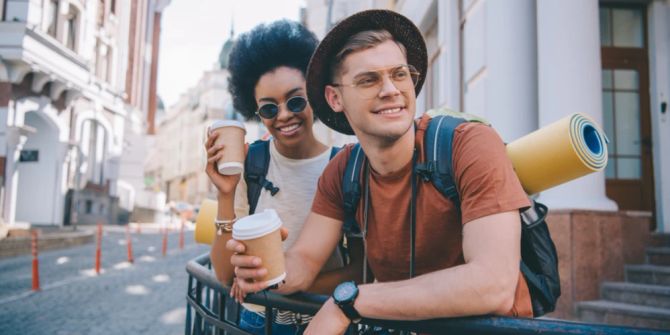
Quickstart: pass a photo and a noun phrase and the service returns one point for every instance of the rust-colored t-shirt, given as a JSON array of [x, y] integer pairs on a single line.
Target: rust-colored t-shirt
[[486, 184]]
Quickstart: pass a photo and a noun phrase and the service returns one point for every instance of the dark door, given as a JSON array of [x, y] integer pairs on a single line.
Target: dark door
[[626, 113]]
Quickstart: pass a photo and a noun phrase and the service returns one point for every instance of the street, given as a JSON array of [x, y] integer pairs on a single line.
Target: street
[[146, 297]]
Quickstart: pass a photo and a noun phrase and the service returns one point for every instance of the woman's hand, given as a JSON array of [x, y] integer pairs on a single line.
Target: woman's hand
[[249, 270], [237, 293], [225, 184]]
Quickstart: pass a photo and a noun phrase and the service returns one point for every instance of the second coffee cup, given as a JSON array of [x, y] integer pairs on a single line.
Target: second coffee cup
[[231, 135], [262, 238]]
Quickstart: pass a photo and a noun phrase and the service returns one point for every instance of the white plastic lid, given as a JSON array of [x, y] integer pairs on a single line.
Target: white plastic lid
[[256, 225], [227, 123], [230, 168]]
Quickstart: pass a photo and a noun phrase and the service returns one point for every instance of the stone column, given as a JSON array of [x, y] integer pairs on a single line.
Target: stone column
[[15, 138], [500, 72], [569, 81], [658, 14], [5, 99]]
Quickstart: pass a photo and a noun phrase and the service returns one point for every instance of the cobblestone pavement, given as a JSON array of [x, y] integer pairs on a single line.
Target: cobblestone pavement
[[146, 297]]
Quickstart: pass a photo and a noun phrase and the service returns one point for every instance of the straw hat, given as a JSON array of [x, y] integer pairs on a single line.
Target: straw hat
[[318, 72]]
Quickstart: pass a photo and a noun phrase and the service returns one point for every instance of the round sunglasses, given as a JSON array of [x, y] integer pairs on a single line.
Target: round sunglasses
[[270, 110]]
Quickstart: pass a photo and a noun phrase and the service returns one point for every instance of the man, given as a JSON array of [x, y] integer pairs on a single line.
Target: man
[[363, 79]]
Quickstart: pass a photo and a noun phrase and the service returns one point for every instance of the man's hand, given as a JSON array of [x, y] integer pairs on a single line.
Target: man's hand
[[249, 270], [224, 184], [329, 320]]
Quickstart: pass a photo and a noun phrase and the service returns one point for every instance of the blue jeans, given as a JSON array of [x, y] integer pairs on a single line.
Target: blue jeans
[[255, 324]]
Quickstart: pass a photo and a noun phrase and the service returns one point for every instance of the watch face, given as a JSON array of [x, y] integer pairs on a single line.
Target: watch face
[[344, 291]]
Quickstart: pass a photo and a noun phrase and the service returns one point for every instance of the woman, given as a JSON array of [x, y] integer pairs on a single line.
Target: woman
[[267, 79]]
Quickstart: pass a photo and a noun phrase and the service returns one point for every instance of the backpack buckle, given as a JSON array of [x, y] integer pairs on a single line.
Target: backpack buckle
[[270, 187], [425, 170]]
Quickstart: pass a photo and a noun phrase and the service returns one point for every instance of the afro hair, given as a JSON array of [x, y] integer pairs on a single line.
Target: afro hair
[[263, 49]]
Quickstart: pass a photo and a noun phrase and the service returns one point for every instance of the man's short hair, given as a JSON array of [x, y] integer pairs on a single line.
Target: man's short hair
[[361, 41]]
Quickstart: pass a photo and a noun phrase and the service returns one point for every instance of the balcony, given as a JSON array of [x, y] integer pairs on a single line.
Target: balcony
[[26, 49], [37, 51]]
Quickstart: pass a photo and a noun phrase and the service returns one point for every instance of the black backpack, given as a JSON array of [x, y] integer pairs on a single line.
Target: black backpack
[[256, 168], [539, 261]]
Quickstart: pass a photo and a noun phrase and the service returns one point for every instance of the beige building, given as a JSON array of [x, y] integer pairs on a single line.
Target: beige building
[[177, 162], [136, 197]]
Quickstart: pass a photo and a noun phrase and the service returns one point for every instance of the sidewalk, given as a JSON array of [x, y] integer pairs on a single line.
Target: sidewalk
[[51, 238]]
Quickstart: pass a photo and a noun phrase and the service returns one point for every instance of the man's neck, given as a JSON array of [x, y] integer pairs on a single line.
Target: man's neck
[[388, 157]]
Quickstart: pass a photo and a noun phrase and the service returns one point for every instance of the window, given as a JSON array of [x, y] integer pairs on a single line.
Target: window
[[52, 17], [109, 63], [621, 119], [71, 25], [100, 19], [621, 27], [103, 59], [94, 138], [89, 207]]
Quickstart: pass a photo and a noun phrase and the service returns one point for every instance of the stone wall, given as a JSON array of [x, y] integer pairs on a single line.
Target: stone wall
[[594, 246]]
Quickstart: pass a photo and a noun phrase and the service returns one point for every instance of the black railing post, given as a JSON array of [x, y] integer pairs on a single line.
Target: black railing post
[[187, 330], [198, 323], [269, 316]]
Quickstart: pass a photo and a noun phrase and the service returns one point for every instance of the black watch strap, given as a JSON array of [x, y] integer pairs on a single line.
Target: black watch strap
[[350, 312], [344, 297]]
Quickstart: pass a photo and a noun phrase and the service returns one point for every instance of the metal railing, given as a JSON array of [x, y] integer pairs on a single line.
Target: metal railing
[[211, 311]]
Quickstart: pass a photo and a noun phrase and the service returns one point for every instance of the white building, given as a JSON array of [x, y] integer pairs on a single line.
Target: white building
[[64, 106], [523, 64]]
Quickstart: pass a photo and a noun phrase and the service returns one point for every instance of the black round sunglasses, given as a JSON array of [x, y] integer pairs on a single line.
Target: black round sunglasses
[[270, 110]]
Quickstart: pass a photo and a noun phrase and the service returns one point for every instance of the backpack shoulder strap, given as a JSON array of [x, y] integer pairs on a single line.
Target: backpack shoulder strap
[[334, 151], [437, 167], [351, 190], [255, 169]]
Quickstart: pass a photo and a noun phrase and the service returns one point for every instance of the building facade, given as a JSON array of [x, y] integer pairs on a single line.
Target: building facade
[[65, 106], [523, 64], [177, 162], [136, 197]]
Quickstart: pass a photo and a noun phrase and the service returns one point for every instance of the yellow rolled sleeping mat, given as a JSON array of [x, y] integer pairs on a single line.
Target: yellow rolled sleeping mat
[[557, 153], [204, 222], [552, 155]]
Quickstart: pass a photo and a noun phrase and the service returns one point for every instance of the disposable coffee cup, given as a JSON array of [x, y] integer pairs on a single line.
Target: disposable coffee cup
[[262, 238], [231, 135]]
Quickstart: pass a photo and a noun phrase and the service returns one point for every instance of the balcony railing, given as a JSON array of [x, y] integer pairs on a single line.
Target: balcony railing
[[211, 311]]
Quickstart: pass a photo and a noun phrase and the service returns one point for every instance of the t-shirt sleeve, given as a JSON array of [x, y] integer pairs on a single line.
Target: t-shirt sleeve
[[328, 200], [485, 177]]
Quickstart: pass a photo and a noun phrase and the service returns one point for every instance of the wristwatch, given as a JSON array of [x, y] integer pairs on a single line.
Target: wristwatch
[[344, 296]]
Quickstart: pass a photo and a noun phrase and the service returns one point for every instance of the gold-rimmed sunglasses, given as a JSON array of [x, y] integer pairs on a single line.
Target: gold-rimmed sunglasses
[[368, 84]]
